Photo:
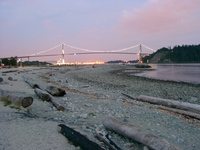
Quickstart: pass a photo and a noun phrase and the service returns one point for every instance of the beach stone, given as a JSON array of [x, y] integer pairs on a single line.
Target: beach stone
[[1, 79], [84, 116], [10, 78], [193, 99], [88, 105]]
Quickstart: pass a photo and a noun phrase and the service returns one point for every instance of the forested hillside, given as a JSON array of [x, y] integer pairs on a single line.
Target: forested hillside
[[177, 54]]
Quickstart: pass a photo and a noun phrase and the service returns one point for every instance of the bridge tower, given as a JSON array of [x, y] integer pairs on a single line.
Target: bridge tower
[[140, 54], [63, 54]]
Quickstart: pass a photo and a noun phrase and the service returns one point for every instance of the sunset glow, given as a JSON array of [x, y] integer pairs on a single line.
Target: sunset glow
[[34, 27]]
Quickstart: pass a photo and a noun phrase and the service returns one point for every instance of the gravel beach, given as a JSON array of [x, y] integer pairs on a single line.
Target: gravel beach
[[92, 94]]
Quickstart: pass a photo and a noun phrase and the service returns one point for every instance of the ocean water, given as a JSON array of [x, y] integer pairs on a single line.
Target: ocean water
[[176, 72]]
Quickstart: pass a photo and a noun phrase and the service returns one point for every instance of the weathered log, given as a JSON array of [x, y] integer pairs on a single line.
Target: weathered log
[[17, 98], [171, 103], [186, 113], [78, 139], [31, 83], [182, 112], [55, 91], [43, 94], [130, 131], [105, 138], [56, 104]]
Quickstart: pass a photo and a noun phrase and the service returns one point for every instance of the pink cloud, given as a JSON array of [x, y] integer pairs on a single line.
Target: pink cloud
[[163, 16]]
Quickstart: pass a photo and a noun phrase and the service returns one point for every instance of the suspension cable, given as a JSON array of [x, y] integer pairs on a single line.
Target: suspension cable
[[148, 47], [89, 50]]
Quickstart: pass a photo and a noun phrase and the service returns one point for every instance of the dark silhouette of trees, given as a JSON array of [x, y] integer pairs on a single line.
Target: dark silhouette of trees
[[177, 54], [10, 61]]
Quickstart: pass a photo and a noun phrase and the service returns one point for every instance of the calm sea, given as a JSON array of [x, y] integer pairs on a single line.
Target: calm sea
[[175, 72]]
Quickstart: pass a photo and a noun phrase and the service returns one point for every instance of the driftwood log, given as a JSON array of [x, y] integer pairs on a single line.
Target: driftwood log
[[56, 104], [182, 112], [17, 98], [31, 83], [105, 138], [130, 131], [45, 96], [170, 103], [55, 91], [78, 139]]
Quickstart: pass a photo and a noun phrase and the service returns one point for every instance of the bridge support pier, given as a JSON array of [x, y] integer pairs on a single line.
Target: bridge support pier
[[140, 54], [63, 54]]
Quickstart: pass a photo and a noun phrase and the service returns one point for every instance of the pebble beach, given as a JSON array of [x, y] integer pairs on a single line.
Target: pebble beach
[[92, 94]]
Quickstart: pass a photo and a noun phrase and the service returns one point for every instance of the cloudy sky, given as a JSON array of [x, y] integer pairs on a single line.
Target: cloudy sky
[[31, 26]]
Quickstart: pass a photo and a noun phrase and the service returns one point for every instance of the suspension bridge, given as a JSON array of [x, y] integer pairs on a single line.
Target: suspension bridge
[[83, 51]]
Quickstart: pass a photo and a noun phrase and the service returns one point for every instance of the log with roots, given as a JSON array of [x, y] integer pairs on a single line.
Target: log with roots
[[47, 97], [78, 139], [17, 98], [130, 131], [170, 103]]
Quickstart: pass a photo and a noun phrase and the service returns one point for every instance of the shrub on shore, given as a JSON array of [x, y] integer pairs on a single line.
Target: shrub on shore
[[142, 66]]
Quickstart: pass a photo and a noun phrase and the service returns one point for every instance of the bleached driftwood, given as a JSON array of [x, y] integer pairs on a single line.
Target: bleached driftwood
[[105, 138], [171, 103], [130, 131], [17, 98], [186, 113], [45, 96], [78, 139]]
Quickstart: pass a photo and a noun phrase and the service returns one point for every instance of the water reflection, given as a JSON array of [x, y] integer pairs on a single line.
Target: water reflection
[[176, 72]]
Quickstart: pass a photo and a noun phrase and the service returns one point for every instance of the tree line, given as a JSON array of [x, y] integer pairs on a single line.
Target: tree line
[[177, 54], [13, 62]]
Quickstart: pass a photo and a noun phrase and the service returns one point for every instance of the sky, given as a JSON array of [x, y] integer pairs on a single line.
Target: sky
[[31, 26]]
